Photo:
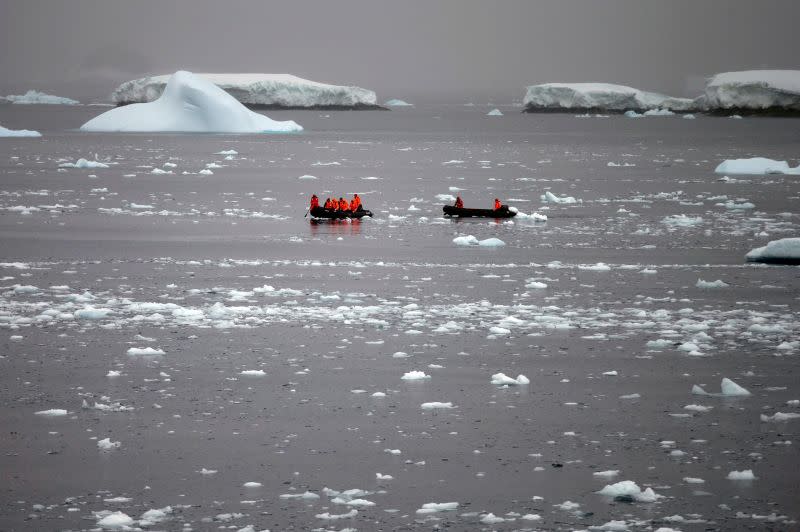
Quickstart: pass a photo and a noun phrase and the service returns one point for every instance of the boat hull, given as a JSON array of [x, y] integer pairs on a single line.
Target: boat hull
[[502, 212], [330, 214]]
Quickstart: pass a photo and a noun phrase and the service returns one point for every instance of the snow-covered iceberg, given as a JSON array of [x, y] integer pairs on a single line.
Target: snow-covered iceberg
[[783, 251], [36, 97], [754, 91], [267, 90], [189, 103], [594, 97], [18, 132], [755, 166]]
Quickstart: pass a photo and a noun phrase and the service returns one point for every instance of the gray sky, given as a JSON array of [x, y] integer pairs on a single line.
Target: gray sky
[[87, 47]]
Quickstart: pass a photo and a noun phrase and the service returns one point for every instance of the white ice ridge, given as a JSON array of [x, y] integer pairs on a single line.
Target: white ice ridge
[[36, 97], [280, 90], [754, 89], [189, 103], [4, 132], [785, 250], [604, 96]]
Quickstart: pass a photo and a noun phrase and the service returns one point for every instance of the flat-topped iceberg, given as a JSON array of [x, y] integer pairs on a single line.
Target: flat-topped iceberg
[[36, 97], [755, 166], [190, 104], [394, 102], [783, 251], [754, 90], [268, 90], [592, 97]]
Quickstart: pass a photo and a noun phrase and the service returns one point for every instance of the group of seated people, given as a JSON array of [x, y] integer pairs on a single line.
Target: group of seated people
[[338, 205], [460, 204]]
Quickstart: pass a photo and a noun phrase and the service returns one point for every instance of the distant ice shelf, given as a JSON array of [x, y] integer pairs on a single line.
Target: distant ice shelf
[[35, 97], [278, 91], [593, 97]]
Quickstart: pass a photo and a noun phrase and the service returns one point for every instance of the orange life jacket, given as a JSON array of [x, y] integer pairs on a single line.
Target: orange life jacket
[[314, 202], [497, 204], [343, 206], [459, 203], [353, 205]]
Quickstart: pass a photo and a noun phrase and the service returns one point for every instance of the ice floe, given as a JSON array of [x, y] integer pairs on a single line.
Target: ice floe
[[18, 133], [504, 380], [629, 491], [785, 250], [34, 97], [728, 388], [755, 166]]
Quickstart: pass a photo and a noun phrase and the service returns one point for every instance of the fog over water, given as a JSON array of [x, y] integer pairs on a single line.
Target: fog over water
[[447, 48]]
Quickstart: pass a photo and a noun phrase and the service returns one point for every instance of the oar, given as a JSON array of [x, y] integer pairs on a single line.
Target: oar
[[306, 214]]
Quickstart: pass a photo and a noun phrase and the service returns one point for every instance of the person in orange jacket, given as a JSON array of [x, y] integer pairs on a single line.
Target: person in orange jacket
[[497, 204], [353, 205], [357, 199], [343, 205], [459, 204], [314, 202]]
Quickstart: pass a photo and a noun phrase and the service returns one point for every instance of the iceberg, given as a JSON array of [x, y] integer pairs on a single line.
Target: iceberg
[[282, 91], [35, 97], [18, 133], [394, 102], [754, 91], [755, 166], [594, 97], [189, 103], [495, 112], [783, 251]]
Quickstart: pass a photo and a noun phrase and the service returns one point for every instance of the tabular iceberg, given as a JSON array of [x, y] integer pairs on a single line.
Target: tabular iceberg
[[593, 97], [189, 104], [268, 90], [754, 91], [783, 251], [36, 97], [4, 132]]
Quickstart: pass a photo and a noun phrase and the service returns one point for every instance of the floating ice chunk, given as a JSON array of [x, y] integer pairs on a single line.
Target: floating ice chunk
[[33, 97], [254, 372], [698, 408], [682, 220], [189, 103], [536, 285], [107, 445], [524, 217], [494, 112], [307, 176], [779, 416], [531, 517], [659, 344], [549, 197], [115, 521], [606, 474], [567, 505], [755, 166], [747, 474], [252, 484], [692, 480], [599, 267], [446, 197], [145, 351], [433, 507], [435, 405], [415, 376], [53, 412], [658, 112], [379, 394], [728, 388], [491, 519], [84, 163], [688, 116], [632, 114], [612, 373], [500, 331], [307, 495], [628, 490], [394, 102], [155, 515], [470, 240], [783, 251], [205, 171], [227, 152], [205, 471], [504, 380], [18, 133], [711, 284], [332, 517], [380, 476]]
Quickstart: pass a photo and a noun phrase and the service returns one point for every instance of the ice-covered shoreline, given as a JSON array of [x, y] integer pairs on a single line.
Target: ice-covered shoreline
[[262, 91]]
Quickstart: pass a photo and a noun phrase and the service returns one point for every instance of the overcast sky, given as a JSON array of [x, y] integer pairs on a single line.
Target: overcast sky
[[397, 47]]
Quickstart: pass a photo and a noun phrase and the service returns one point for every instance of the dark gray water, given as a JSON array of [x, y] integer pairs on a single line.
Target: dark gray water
[[223, 274]]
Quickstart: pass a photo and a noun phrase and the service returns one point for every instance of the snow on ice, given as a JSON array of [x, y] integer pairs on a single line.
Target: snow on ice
[[189, 103], [754, 90], [785, 250], [755, 166], [604, 96]]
